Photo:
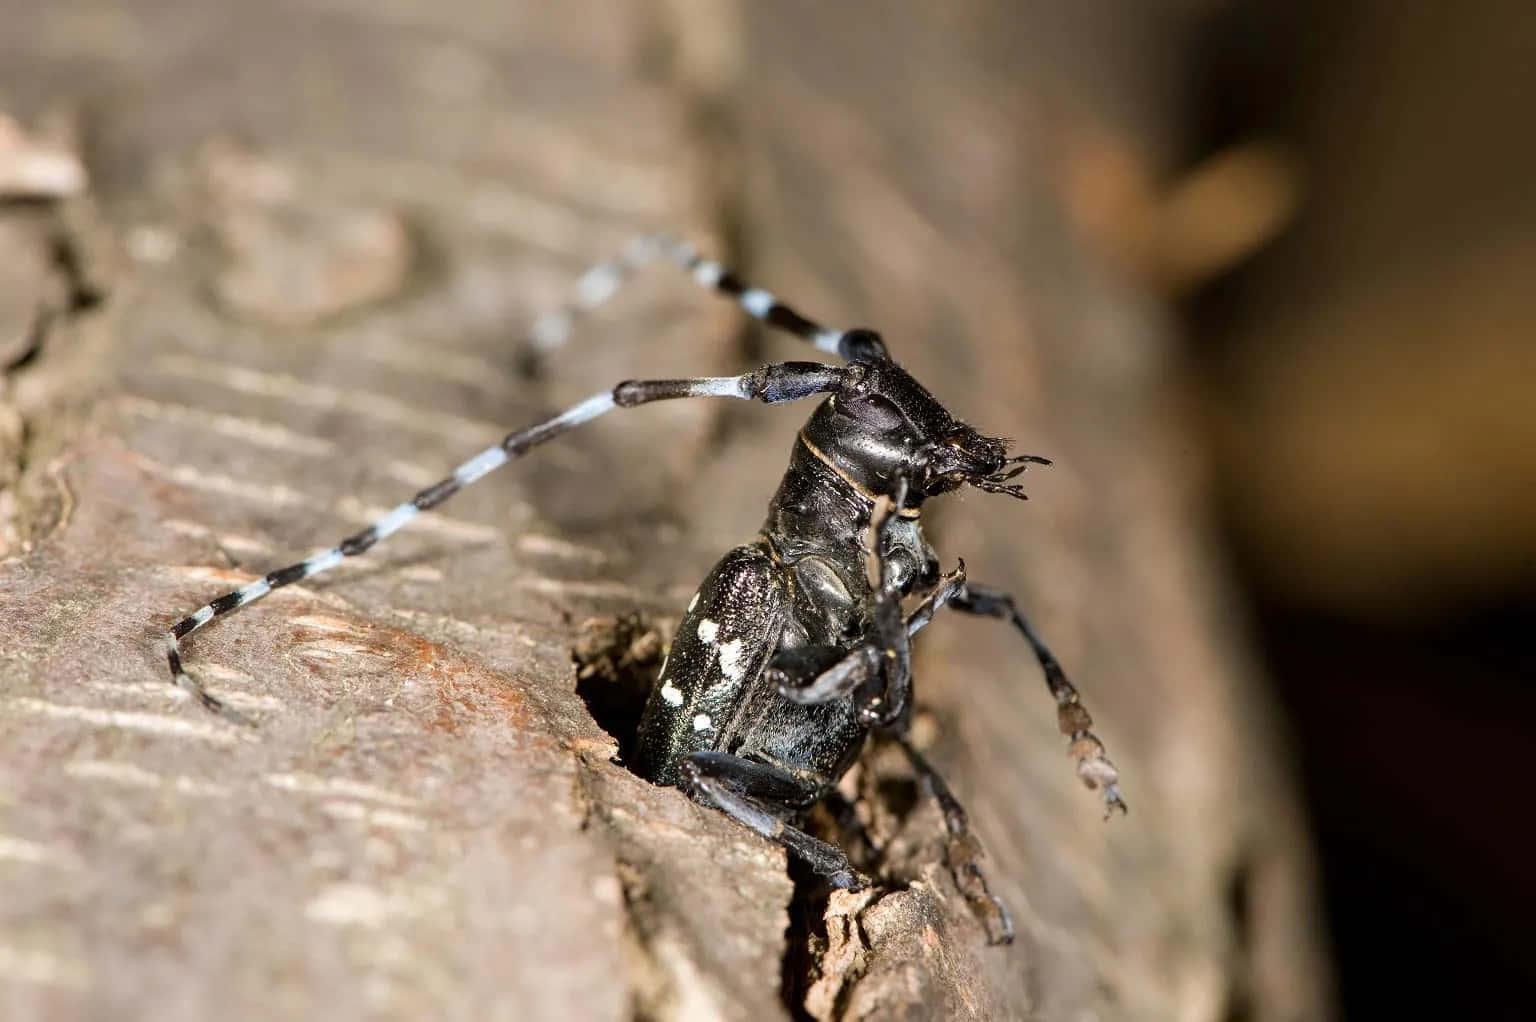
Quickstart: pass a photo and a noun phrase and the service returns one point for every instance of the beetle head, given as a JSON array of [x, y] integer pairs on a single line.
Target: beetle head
[[882, 425]]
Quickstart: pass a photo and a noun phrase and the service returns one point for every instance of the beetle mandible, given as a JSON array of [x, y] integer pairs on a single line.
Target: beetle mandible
[[797, 646]]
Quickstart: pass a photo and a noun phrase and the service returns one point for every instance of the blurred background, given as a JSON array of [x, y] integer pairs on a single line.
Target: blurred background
[[1365, 381]]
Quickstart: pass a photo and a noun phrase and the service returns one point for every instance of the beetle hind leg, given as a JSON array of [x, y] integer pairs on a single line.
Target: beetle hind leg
[[845, 815], [963, 853], [740, 788]]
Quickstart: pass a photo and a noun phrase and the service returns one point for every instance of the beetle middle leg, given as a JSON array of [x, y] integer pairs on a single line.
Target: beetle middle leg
[[964, 851], [741, 788]]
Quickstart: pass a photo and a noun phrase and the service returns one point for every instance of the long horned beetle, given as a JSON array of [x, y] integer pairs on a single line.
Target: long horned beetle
[[796, 647]]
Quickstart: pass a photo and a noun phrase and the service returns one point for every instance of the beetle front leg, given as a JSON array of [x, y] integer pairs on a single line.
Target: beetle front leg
[[818, 674], [877, 672], [963, 852], [737, 786], [1093, 766]]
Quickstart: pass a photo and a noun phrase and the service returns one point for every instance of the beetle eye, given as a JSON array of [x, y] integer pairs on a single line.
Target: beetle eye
[[871, 410]]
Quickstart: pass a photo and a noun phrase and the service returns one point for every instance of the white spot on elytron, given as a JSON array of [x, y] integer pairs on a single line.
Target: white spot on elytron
[[708, 273], [732, 664], [693, 602], [708, 630], [672, 695], [701, 722]]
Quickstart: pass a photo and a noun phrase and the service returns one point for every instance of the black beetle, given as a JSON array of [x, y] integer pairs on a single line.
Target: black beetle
[[797, 646]]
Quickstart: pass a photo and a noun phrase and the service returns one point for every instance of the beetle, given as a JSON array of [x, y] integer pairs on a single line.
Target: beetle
[[797, 645]]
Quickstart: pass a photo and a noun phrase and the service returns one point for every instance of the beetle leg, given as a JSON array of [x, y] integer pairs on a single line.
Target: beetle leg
[[1093, 766], [859, 670], [950, 586], [846, 815], [789, 667], [878, 670], [738, 787], [878, 677], [964, 851]]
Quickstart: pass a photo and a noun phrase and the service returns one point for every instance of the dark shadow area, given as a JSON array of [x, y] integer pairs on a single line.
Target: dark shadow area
[[805, 939], [617, 660], [1389, 605], [1412, 748]]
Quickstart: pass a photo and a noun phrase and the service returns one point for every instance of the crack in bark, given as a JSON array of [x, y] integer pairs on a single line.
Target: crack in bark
[[617, 660]]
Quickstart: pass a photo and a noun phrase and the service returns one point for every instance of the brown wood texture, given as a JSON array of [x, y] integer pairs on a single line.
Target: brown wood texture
[[315, 230]]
